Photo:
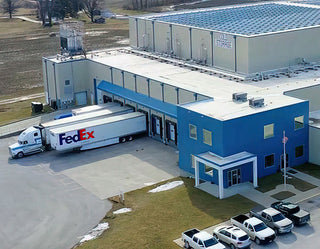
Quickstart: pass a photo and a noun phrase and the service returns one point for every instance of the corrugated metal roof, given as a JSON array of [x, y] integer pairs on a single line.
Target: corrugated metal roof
[[247, 20]]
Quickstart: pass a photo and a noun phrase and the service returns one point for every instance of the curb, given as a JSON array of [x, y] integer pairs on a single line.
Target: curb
[[14, 133]]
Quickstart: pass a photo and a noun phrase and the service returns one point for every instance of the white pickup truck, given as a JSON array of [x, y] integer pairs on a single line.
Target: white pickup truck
[[273, 218], [255, 228], [195, 239]]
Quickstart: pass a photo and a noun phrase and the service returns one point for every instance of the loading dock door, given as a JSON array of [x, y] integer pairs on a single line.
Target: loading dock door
[[156, 126], [171, 131], [81, 98]]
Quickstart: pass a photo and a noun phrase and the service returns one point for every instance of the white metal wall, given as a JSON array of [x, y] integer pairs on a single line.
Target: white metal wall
[[181, 42], [201, 46], [314, 145], [284, 49], [308, 93]]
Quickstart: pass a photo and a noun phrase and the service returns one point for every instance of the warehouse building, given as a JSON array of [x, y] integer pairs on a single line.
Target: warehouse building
[[221, 85]]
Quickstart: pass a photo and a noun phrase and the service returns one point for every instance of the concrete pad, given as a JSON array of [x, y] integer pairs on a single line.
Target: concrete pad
[[126, 167]]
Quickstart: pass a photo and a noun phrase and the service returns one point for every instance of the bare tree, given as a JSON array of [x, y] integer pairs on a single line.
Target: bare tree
[[9, 6], [90, 7]]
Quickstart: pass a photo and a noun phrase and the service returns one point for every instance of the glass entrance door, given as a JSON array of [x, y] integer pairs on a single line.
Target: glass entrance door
[[234, 177]]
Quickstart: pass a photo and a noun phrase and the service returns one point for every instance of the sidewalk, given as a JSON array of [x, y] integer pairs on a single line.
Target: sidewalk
[[16, 127], [266, 198]]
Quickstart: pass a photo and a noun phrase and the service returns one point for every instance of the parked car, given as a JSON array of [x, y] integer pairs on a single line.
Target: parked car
[[292, 211], [273, 218], [255, 228], [233, 236], [200, 240]]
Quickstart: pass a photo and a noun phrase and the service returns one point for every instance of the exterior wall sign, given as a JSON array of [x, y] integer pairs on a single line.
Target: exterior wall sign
[[223, 42]]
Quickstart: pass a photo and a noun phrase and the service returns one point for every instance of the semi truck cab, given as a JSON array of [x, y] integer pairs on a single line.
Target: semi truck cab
[[29, 142]]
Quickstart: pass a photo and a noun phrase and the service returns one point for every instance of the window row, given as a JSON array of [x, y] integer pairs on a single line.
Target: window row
[[269, 129], [269, 160], [206, 135]]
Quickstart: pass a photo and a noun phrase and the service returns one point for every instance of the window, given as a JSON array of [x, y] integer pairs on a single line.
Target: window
[[298, 122], [208, 170], [268, 131], [207, 137], [67, 82], [269, 161], [193, 131], [299, 151]]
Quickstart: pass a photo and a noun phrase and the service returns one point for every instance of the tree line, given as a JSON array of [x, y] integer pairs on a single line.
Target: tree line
[[47, 9]]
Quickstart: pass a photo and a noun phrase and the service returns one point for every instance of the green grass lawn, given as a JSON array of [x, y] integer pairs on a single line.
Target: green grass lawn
[[310, 169], [18, 111], [283, 195], [270, 182], [159, 218]]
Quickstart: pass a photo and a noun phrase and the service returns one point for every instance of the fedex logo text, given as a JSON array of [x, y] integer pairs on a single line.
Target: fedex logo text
[[79, 136]]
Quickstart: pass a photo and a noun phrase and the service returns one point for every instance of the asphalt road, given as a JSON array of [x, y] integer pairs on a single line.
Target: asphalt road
[[41, 208]]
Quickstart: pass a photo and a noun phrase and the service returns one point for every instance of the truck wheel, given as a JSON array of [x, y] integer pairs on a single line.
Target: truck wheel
[[257, 240], [20, 154], [186, 245], [122, 140], [130, 138]]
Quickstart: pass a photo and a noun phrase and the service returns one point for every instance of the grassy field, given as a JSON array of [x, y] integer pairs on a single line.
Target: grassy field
[[270, 182], [159, 218], [17, 111], [283, 195]]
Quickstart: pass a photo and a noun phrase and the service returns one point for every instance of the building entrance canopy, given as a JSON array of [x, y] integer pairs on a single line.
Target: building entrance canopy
[[224, 163]]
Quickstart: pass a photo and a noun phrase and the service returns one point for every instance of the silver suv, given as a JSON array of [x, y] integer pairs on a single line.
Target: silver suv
[[233, 236]]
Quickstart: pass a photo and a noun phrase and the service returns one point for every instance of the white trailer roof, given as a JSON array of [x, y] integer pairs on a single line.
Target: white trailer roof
[[90, 115], [92, 108], [97, 122]]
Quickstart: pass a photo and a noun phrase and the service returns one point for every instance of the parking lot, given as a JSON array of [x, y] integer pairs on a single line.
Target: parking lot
[[306, 236], [49, 200]]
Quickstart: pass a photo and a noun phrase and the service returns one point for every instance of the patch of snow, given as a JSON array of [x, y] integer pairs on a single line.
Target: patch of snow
[[149, 183], [122, 210], [95, 232], [167, 186], [124, 41], [96, 33]]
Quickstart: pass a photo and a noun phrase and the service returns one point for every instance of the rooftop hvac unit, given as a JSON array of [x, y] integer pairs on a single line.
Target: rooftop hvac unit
[[256, 102], [239, 97]]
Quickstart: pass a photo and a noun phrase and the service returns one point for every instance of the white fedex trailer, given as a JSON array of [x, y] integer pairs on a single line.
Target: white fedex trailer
[[85, 135], [110, 111], [98, 133], [92, 108]]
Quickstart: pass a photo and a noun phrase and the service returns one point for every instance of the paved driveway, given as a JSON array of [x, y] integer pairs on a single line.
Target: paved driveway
[[304, 237], [49, 199], [40, 208]]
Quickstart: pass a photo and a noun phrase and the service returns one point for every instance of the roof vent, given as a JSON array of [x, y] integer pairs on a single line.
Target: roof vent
[[239, 97], [256, 102]]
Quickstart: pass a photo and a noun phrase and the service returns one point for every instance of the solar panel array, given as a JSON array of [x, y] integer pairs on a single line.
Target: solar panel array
[[248, 20]]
